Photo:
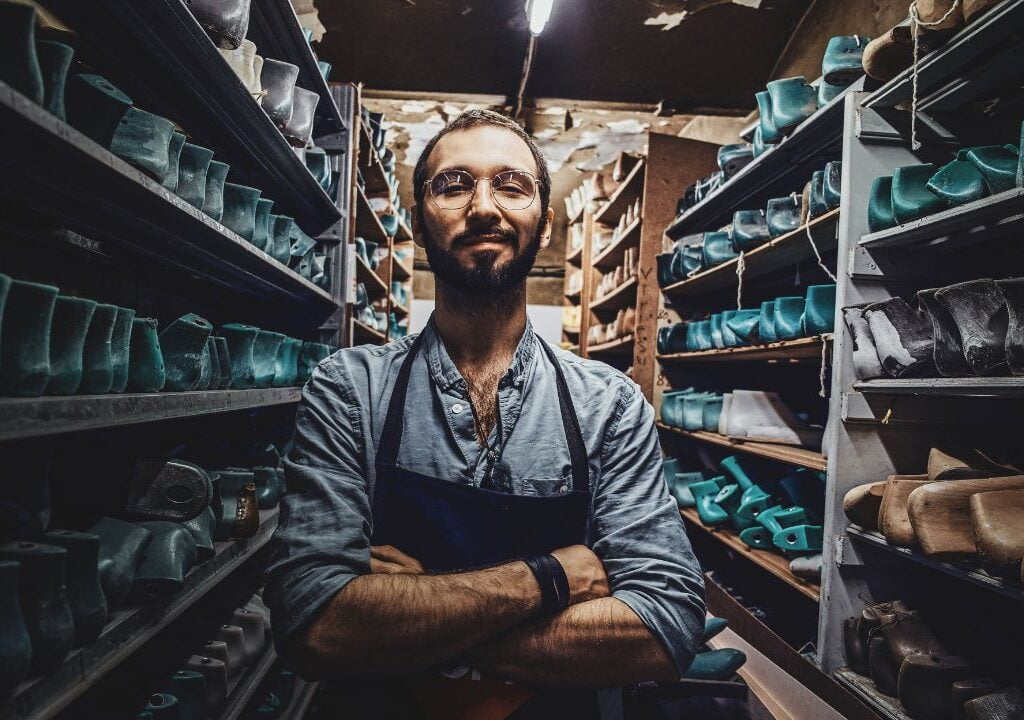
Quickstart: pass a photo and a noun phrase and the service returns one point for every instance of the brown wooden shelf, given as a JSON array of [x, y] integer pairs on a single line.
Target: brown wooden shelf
[[368, 224], [786, 350], [573, 297], [575, 332], [782, 252], [621, 346], [622, 296], [575, 256], [404, 232], [363, 334], [631, 187], [368, 276], [612, 255], [783, 453], [773, 562], [399, 270], [398, 308]]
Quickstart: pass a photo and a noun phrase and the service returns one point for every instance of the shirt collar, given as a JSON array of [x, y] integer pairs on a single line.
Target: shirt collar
[[446, 375]]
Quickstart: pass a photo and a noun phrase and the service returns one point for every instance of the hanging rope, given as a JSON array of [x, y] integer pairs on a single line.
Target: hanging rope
[[915, 27], [814, 247], [821, 373], [741, 265]]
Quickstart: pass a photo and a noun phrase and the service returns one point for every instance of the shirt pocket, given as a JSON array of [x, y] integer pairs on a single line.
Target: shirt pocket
[[547, 486]]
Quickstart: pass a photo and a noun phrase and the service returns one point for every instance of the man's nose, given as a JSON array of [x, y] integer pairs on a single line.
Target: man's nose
[[483, 207]]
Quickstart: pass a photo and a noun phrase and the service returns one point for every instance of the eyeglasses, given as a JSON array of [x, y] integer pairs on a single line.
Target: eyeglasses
[[454, 189]]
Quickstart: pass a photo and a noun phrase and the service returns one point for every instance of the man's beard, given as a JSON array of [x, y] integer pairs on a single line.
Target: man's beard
[[482, 278]]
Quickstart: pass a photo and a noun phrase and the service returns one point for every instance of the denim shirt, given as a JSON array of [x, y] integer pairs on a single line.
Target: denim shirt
[[323, 536]]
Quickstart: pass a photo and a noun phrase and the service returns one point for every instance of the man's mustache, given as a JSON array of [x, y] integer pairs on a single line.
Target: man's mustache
[[473, 236]]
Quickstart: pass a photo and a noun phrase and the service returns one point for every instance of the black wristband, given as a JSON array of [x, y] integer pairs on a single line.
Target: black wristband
[[554, 585]]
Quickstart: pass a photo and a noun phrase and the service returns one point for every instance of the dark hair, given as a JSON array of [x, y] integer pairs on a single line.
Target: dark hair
[[474, 118]]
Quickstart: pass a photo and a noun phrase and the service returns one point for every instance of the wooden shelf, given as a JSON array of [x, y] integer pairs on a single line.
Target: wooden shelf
[[126, 631], [575, 332], [375, 286], [631, 188], [75, 181], [573, 297], [399, 270], [575, 256], [782, 252], [784, 351], [1007, 388], [245, 686], [399, 309], [622, 296], [369, 162], [404, 232], [772, 646], [964, 571], [983, 220], [783, 453], [612, 255], [54, 415], [620, 346], [368, 224], [773, 562], [578, 216], [363, 334], [167, 64], [888, 708]]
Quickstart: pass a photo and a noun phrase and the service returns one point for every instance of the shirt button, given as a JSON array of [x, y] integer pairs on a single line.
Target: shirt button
[[457, 408]]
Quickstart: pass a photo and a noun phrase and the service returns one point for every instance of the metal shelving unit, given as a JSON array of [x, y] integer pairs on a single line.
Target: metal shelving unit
[[127, 630]]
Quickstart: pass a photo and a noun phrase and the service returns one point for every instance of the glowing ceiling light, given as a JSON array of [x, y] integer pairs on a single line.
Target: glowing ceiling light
[[539, 12]]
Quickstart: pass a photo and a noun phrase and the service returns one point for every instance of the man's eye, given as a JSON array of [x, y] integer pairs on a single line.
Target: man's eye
[[510, 188], [453, 188]]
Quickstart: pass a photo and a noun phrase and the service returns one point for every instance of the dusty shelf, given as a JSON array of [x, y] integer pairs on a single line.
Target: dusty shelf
[[783, 453], [786, 350]]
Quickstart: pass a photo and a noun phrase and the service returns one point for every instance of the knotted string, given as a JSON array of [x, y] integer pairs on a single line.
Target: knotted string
[[741, 265], [814, 247], [916, 25]]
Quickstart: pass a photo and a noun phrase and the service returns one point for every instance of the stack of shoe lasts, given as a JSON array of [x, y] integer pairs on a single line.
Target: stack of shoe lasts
[[916, 191], [782, 106], [970, 328], [965, 508], [841, 65], [762, 416], [720, 664], [823, 192], [890, 54], [700, 190], [733, 158], [679, 481], [894, 646]]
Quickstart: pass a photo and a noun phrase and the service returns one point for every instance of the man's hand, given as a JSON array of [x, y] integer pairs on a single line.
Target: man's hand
[[587, 578], [389, 559]]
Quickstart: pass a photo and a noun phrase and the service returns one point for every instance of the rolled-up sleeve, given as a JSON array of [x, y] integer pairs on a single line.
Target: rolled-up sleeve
[[639, 536], [322, 538]]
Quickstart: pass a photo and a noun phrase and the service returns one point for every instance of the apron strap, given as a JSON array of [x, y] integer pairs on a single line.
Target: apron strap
[[391, 439]]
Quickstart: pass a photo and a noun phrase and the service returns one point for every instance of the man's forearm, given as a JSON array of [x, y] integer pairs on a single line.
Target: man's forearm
[[597, 643], [382, 623]]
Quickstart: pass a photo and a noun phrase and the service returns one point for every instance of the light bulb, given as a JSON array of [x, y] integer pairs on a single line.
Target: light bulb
[[540, 12]]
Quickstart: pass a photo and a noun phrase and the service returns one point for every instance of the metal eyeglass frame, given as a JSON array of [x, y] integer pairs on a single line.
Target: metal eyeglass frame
[[476, 183]]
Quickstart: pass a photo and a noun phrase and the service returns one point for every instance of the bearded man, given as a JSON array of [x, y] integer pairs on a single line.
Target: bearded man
[[476, 524]]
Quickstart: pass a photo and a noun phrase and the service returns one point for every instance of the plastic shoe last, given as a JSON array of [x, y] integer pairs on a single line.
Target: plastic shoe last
[[715, 664], [269, 486], [833, 184], [286, 362], [44, 601], [239, 214], [261, 227], [227, 23], [216, 675], [201, 527], [71, 318], [173, 490], [97, 352], [224, 358], [693, 411], [769, 132], [253, 633], [213, 202], [247, 65], [168, 558], [766, 323], [926, 681], [1005, 705], [819, 310], [311, 355], [704, 494], [183, 344], [162, 706], [733, 158], [240, 339], [282, 229], [277, 79], [712, 413], [789, 312], [827, 93], [843, 60], [54, 62], [717, 249], [209, 374], [762, 416], [121, 547], [783, 215], [19, 62], [744, 324], [793, 101], [948, 352], [193, 164], [85, 595], [816, 199], [189, 688], [680, 488], [902, 338], [1013, 295], [146, 372], [691, 254], [997, 164], [174, 149], [979, 310], [120, 343], [25, 341], [880, 213], [264, 353], [712, 627], [799, 538], [865, 357], [234, 638], [749, 230], [299, 127], [957, 183], [15, 644], [911, 198], [807, 567]]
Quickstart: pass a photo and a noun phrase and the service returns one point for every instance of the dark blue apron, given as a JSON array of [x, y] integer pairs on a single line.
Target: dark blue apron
[[449, 526]]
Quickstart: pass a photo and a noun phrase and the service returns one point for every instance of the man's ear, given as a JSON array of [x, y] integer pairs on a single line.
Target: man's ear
[[417, 229], [549, 222]]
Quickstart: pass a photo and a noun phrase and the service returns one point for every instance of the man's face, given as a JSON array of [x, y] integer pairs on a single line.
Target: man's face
[[483, 248]]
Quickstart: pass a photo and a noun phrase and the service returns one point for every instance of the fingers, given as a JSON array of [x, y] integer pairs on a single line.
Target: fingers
[[388, 568], [391, 554]]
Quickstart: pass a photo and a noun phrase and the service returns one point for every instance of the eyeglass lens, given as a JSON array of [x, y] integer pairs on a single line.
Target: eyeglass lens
[[512, 189]]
